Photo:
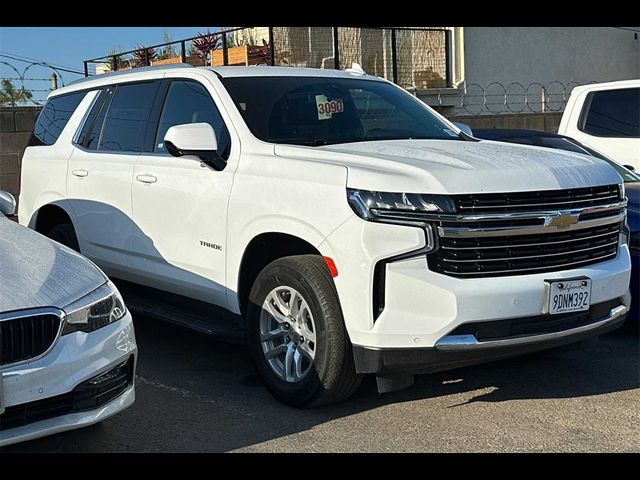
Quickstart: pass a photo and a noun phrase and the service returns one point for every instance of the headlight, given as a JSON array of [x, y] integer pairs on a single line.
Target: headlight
[[98, 309], [410, 209], [405, 208], [634, 241]]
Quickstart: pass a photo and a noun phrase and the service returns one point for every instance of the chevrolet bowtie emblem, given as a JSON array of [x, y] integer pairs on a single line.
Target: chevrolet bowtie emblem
[[564, 220]]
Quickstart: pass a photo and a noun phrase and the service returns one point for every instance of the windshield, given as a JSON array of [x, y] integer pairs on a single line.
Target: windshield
[[320, 111]]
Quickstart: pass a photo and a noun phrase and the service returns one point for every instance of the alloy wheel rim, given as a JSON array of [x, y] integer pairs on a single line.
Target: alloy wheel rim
[[287, 334]]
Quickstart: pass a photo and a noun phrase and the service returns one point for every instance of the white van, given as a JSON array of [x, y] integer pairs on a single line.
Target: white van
[[337, 220], [606, 118]]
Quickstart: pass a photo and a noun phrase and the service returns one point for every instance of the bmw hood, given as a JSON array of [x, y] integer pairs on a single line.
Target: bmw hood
[[453, 166], [37, 272]]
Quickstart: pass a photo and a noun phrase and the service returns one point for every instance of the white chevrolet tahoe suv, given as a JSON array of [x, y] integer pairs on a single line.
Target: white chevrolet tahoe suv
[[340, 223]]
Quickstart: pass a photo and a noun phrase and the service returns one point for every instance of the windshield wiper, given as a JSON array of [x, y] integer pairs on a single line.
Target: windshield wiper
[[307, 142]]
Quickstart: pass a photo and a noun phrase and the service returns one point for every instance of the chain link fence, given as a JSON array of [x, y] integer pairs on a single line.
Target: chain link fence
[[411, 57]]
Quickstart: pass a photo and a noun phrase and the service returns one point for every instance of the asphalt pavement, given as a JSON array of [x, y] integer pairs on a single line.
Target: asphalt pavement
[[195, 394]]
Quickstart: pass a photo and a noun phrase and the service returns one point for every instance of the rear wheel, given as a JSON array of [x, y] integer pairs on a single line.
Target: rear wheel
[[297, 335], [65, 234]]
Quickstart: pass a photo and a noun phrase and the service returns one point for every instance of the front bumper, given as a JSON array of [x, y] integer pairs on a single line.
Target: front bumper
[[456, 351], [74, 359], [422, 306]]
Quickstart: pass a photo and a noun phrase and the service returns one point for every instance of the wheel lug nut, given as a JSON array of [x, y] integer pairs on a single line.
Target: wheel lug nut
[[301, 339]]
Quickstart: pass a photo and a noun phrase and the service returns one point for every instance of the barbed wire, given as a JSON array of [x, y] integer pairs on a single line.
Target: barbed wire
[[515, 97], [21, 77]]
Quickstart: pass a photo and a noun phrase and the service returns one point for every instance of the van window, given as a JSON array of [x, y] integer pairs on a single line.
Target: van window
[[613, 113], [127, 117], [189, 102], [54, 117]]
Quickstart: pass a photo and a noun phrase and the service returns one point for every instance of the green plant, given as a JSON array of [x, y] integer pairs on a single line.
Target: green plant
[[203, 45], [142, 55], [11, 96], [115, 61], [168, 51]]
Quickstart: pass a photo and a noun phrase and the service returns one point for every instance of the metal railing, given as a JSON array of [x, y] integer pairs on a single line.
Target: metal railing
[[411, 57]]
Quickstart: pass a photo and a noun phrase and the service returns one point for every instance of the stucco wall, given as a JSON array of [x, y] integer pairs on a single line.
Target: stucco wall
[[16, 124], [546, 54]]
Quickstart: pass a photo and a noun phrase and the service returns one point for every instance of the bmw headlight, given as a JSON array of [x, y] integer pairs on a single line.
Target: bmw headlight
[[98, 309]]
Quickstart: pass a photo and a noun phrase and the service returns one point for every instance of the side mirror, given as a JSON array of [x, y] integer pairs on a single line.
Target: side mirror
[[7, 203], [630, 167], [197, 139], [464, 127]]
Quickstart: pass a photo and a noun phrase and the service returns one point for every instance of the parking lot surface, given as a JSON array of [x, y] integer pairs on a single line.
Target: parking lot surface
[[195, 394]]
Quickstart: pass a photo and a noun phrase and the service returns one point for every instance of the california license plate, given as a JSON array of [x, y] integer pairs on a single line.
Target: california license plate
[[567, 296]]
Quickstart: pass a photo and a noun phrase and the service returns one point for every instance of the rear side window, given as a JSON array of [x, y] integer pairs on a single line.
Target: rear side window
[[54, 117], [613, 113], [127, 117]]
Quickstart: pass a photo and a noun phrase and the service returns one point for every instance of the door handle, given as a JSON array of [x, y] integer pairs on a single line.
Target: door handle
[[81, 172], [146, 178]]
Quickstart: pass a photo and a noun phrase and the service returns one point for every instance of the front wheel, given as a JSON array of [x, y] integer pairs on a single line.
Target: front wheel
[[297, 335]]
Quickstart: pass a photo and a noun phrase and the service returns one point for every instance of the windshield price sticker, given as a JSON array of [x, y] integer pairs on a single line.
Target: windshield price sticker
[[327, 107]]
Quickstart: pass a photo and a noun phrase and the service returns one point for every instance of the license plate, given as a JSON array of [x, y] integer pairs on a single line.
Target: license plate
[[569, 296]]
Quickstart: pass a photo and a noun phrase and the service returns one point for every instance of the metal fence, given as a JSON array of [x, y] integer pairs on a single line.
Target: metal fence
[[411, 57]]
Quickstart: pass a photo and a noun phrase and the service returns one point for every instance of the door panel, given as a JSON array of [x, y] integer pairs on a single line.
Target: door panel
[[180, 205], [100, 173]]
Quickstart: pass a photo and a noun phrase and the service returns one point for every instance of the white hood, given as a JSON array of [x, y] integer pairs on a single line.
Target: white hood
[[37, 272], [453, 166]]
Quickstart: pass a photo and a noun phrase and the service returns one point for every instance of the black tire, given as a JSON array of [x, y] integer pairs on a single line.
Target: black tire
[[332, 377], [65, 234]]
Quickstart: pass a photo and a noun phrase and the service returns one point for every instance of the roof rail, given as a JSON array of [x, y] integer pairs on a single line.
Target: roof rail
[[131, 70]]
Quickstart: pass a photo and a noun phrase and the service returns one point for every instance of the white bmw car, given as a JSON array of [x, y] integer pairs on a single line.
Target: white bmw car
[[67, 345]]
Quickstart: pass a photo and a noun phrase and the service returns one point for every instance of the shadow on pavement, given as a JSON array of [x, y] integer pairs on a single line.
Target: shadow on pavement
[[196, 394]]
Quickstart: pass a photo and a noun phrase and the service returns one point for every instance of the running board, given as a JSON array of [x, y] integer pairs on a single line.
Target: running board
[[182, 311]]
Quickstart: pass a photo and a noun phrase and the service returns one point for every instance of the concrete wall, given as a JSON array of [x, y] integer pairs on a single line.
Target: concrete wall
[[547, 54], [548, 122], [16, 124]]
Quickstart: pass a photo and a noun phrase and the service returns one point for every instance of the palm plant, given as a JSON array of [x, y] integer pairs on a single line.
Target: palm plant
[[142, 55], [203, 45], [11, 96]]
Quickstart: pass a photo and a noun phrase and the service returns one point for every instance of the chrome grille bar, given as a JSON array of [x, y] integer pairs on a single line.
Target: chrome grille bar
[[550, 267], [476, 260], [541, 244], [527, 230]]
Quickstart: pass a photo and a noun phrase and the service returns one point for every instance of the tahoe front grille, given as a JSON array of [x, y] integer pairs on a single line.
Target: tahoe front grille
[[510, 234], [539, 200], [27, 335]]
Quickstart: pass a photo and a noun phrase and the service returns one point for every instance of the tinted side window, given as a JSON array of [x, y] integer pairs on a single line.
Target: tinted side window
[[189, 102], [615, 113], [127, 117], [90, 133], [54, 117]]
